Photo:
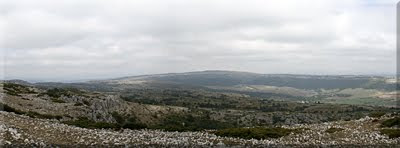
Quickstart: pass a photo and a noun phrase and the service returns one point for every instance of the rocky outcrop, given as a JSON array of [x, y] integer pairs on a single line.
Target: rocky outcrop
[[92, 105]]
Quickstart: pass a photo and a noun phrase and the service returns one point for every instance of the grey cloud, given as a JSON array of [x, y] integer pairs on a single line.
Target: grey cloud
[[94, 39]]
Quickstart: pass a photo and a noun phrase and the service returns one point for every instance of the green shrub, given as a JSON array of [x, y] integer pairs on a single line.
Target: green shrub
[[391, 122], [86, 102], [130, 123], [16, 89], [78, 104], [376, 114], [300, 130], [12, 93], [190, 123], [254, 133], [57, 92], [134, 125], [29, 113], [105, 125], [87, 123], [42, 116], [333, 130], [119, 118], [74, 90], [10, 109], [392, 133], [58, 100]]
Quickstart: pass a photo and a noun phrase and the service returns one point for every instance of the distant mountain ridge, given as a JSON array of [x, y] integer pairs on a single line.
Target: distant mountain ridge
[[230, 78], [219, 72]]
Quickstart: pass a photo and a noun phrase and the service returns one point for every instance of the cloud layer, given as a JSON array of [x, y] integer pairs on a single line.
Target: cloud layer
[[66, 40]]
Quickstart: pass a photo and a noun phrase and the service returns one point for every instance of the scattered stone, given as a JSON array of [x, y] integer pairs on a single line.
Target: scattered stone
[[50, 132]]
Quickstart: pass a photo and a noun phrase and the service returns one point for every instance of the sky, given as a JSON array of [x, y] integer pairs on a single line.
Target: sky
[[63, 40]]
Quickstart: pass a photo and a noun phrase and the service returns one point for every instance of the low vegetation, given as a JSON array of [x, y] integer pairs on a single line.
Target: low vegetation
[[29, 113], [55, 100], [394, 122], [376, 114], [190, 123], [279, 112], [334, 130], [256, 132], [87, 103], [16, 89], [43, 116], [392, 133], [78, 104], [87, 123], [7, 108], [128, 122], [59, 92]]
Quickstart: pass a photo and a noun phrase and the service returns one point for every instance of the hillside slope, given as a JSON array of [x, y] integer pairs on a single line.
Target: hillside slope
[[20, 130]]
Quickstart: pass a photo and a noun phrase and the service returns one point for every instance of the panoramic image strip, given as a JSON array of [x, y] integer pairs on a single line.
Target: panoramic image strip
[[199, 73]]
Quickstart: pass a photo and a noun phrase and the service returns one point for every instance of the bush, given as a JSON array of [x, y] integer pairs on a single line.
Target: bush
[[333, 130], [12, 93], [131, 123], [121, 123], [16, 89], [376, 114], [58, 100], [43, 116], [391, 122], [119, 118], [254, 133], [86, 102], [10, 109], [30, 113], [78, 104], [57, 92], [392, 133], [190, 123], [86, 123]]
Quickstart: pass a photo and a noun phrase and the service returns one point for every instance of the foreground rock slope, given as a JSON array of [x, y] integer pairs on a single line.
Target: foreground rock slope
[[17, 130]]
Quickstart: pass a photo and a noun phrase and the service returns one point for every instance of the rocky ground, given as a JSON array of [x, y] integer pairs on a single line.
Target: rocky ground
[[20, 130]]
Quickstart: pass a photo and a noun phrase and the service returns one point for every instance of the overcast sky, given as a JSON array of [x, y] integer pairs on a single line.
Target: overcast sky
[[71, 40]]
